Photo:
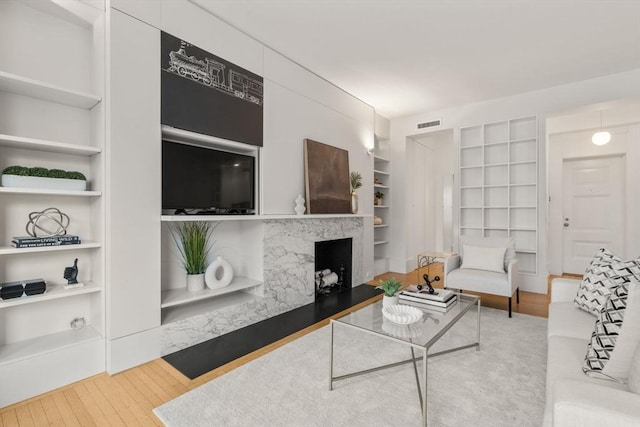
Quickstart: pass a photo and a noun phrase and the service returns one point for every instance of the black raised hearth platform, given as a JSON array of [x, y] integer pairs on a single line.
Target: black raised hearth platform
[[206, 356]]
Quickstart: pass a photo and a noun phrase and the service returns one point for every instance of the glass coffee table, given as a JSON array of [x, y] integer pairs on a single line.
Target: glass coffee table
[[421, 335]]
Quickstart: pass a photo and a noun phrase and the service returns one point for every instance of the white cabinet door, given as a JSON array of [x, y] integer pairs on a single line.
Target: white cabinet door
[[593, 210], [134, 171]]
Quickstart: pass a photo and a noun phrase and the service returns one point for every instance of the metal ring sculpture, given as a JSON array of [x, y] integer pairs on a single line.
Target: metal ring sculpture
[[55, 215]]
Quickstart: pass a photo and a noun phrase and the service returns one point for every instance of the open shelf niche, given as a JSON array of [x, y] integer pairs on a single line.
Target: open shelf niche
[[382, 183], [38, 333], [499, 184]]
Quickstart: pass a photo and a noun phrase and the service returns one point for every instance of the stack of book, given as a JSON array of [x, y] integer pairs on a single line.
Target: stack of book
[[35, 242], [441, 299]]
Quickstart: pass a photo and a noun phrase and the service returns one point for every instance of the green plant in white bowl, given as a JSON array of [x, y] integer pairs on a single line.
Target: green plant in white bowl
[[390, 287]]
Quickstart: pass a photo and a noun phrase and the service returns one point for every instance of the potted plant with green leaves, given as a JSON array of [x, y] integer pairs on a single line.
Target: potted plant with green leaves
[[356, 182], [390, 287], [379, 198], [193, 241], [43, 178]]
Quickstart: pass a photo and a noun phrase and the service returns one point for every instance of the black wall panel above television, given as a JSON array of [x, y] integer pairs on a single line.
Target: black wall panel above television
[[204, 93]]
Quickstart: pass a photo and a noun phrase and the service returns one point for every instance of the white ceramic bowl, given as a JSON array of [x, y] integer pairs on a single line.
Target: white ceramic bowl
[[402, 314]]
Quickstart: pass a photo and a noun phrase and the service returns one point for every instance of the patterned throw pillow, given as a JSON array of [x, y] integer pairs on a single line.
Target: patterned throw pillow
[[616, 336], [594, 288]]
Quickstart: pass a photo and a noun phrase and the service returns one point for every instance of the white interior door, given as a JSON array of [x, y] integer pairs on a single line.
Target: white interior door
[[593, 210]]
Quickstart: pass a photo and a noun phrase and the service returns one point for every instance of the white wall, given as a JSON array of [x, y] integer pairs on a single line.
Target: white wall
[[570, 138], [429, 175], [297, 105], [541, 103]]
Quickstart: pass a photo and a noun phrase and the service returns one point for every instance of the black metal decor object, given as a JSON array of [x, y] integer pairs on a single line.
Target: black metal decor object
[[428, 283], [71, 273]]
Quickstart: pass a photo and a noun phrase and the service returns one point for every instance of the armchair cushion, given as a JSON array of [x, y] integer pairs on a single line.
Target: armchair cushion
[[491, 242], [482, 258]]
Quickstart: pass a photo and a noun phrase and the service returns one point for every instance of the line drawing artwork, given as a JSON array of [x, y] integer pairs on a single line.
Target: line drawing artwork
[[211, 73]]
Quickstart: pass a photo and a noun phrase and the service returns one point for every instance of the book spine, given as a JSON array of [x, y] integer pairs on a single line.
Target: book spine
[[435, 308], [41, 244], [427, 296], [426, 301], [67, 238]]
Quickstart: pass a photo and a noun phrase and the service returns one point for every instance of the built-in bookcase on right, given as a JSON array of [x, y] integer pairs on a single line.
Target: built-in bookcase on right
[[499, 184]]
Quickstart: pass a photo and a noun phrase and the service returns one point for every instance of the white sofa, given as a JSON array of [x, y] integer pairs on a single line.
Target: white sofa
[[573, 398]]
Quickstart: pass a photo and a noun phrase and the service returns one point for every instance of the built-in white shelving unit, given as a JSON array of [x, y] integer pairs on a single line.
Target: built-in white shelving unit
[[52, 116], [499, 184], [382, 180]]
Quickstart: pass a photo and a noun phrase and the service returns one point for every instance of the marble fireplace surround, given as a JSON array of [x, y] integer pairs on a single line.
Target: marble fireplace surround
[[288, 278]]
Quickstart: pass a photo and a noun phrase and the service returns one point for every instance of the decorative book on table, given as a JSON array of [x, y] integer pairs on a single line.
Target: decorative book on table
[[427, 302], [34, 242], [430, 307], [440, 295]]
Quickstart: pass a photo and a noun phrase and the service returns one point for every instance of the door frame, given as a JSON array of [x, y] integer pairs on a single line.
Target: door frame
[[623, 220], [557, 153]]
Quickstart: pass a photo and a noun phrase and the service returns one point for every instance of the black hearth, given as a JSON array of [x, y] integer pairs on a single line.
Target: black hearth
[[333, 266]]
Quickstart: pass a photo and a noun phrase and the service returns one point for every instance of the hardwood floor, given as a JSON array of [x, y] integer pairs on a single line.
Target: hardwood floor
[[128, 398]]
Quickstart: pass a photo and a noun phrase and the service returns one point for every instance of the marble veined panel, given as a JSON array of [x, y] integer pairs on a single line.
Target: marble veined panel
[[289, 247]]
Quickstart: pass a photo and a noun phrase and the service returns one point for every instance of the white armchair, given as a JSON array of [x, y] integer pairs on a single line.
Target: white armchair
[[490, 266]]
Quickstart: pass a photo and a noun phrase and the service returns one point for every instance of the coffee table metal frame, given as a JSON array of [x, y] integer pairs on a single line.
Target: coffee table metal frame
[[471, 301]]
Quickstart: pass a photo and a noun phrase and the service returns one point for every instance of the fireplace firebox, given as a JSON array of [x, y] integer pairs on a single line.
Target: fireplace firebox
[[333, 266]]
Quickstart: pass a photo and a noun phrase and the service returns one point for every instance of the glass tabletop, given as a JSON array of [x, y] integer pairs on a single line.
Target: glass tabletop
[[424, 333]]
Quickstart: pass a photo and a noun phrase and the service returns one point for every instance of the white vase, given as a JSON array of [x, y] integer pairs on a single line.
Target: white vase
[[354, 202], [219, 274], [387, 300], [195, 282], [300, 208]]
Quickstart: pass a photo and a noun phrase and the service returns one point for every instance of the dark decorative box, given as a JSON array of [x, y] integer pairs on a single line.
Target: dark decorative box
[[22, 287]]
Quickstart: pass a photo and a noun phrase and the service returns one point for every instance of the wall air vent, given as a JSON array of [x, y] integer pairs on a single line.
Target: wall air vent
[[429, 124]]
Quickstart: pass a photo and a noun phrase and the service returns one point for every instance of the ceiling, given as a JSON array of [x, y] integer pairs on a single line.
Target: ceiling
[[410, 56]]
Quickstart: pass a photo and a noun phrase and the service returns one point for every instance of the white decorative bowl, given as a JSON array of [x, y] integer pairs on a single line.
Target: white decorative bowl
[[402, 314], [400, 331]]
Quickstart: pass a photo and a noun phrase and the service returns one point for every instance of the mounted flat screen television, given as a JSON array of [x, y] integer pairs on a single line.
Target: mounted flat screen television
[[202, 180]]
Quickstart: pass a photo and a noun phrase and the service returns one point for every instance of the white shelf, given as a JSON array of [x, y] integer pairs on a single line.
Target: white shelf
[[380, 186], [44, 145], [380, 206], [381, 226], [380, 159], [45, 192], [526, 251], [75, 12], [179, 296], [10, 250], [53, 292], [188, 218], [380, 242], [379, 172], [21, 350], [45, 91], [185, 311]]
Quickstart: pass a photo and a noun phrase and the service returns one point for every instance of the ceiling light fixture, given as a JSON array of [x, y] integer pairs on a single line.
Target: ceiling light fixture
[[601, 137]]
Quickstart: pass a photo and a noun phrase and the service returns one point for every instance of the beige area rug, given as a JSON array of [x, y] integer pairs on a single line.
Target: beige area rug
[[500, 385]]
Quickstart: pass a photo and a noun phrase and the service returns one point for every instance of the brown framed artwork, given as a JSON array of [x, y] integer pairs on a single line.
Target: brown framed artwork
[[326, 174]]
